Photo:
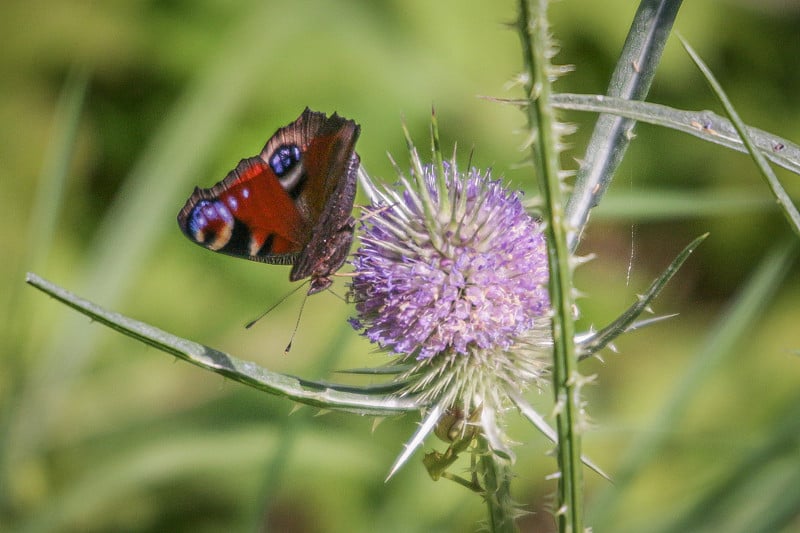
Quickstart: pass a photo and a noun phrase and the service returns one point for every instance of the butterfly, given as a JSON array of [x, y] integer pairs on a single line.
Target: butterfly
[[289, 205]]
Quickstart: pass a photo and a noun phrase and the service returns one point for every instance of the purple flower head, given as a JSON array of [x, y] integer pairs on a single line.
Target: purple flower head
[[450, 266], [451, 276]]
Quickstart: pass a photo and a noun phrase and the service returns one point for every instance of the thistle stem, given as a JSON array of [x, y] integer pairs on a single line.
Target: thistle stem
[[497, 483], [533, 31]]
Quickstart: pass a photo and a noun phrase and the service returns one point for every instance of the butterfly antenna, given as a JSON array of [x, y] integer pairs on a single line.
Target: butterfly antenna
[[343, 274], [273, 306], [296, 324]]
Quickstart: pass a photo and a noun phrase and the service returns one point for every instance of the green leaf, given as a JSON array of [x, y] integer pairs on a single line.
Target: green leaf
[[246, 372], [782, 197], [704, 125], [627, 319], [633, 74]]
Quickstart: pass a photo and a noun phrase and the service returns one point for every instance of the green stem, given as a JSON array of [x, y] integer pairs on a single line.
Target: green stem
[[631, 80], [497, 483], [533, 32]]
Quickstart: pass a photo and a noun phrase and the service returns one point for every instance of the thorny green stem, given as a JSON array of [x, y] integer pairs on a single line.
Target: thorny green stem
[[533, 31], [496, 476]]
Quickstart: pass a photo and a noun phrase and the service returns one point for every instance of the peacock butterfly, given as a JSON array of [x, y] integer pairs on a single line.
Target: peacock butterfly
[[288, 205]]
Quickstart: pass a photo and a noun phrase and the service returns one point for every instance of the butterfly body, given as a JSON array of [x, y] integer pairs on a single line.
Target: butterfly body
[[290, 204]]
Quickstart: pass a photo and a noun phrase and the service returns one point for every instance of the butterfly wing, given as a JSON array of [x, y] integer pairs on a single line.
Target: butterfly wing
[[290, 204], [248, 214], [324, 192]]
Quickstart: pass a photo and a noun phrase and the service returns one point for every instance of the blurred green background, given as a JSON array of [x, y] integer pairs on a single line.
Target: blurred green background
[[99, 433]]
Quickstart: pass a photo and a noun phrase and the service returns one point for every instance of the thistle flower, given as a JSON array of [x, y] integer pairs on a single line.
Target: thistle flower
[[451, 276]]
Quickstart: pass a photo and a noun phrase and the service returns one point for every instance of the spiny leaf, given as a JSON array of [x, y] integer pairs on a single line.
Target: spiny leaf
[[628, 318], [300, 390]]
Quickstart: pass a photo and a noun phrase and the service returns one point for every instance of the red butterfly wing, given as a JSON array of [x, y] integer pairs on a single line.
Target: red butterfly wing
[[324, 193], [248, 214]]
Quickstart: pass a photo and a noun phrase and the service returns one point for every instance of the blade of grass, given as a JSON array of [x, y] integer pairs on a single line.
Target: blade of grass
[[49, 196], [56, 168], [783, 502], [746, 309], [134, 471], [290, 432]]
